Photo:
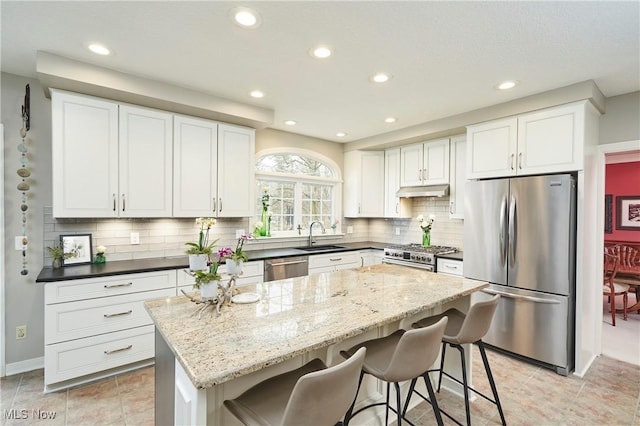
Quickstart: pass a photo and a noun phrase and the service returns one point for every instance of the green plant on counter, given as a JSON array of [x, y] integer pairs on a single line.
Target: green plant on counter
[[57, 253]]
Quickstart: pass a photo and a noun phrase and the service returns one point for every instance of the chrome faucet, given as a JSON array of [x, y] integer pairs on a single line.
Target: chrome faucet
[[311, 240]]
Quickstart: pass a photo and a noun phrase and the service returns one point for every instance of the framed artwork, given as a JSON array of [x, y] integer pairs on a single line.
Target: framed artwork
[[608, 214], [77, 248], [628, 207]]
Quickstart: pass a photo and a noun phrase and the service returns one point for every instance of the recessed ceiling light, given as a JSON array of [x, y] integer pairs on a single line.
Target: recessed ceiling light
[[245, 17], [505, 85], [290, 122], [321, 52], [99, 49], [341, 134], [390, 120], [380, 77], [256, 94]]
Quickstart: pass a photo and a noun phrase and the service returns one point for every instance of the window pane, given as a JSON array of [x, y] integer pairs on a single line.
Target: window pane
[[280, 204], [316, 204], [296, 164]]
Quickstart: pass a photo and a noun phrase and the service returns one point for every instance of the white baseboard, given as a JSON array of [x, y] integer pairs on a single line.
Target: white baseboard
[[586, 367], [24, 366]]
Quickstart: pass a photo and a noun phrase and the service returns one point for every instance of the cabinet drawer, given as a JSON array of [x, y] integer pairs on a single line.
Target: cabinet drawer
[[84, 318], [90, 288], [449, 267], [68, 360], [335, 259]]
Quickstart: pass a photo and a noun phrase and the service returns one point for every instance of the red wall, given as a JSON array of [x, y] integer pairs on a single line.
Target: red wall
[[622, 179]]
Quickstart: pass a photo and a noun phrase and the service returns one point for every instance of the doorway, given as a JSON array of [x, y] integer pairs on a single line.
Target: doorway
[[620, 342]]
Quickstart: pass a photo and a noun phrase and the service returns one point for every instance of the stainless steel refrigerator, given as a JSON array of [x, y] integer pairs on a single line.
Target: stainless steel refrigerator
[[519, 234]]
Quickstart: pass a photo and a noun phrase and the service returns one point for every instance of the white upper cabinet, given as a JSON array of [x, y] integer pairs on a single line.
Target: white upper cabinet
[[85, 156], [546, 141], [116, 160], [458, 176], [425, 163], [394, 206], [364, 185], [491, 148], [195, 174], [145, 162], [109, 160], [236, 171]]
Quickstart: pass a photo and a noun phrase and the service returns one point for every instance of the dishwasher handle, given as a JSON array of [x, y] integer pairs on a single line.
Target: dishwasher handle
[[291, 262]]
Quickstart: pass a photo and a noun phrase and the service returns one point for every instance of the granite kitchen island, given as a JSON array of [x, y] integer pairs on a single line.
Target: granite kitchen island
[[296, 320]]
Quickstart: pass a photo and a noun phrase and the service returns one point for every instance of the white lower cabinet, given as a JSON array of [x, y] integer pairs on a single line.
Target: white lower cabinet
[[97, 327], [371, 257], [449, 267], [334, 262]]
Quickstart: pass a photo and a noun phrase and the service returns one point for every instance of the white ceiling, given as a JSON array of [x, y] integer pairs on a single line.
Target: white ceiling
[[445, 57]]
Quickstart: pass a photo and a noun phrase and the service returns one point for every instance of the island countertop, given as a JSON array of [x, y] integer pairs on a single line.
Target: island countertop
[[296, 316]]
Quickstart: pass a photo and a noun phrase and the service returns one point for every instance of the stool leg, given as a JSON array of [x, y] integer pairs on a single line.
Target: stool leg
[[487, 368], [347, 416], [465, 384], [411, 388], [432, 397], [396, 385], [444, 350], [386, 409]]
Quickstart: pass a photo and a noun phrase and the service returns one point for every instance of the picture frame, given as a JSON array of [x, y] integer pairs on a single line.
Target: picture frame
[[80, 246], [628, 212], [608, 214]]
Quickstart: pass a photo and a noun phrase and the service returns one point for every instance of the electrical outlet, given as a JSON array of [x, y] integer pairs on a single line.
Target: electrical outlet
[[349, 229], [239, 233], [397, 230], [21, 332], [135, 238]]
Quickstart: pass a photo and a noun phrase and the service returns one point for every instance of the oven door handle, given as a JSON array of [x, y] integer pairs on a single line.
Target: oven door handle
[[409, 264]]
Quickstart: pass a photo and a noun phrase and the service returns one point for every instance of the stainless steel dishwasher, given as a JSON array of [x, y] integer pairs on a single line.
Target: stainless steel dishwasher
[[286, 267]]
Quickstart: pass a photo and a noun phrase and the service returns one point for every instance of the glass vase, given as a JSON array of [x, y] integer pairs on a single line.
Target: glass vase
[[263, 220], [426, 238]]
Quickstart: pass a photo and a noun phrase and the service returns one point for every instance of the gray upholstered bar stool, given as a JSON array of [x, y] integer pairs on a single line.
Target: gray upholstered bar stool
[[310, 395], [401, 356], [463, 329]]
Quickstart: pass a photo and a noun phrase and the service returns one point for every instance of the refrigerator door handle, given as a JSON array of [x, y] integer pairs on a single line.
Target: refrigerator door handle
[[503, 231], [513, 231], [516, 296]]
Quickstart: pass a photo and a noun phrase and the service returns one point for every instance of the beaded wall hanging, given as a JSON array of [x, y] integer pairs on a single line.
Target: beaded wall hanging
[[24, 173]]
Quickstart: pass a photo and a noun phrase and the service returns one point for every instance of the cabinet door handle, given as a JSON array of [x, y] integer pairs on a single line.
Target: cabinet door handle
[[335, 259], [114, 202], [419, 174], [512, 158], [113, 351], [123, 202], [451, 207], [220, 204], [358, 208], [118, 314], [520, 161], [118, 285], [398, 207], [215, 205]]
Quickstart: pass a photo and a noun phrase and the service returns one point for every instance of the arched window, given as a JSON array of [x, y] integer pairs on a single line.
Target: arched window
[[302, 186]]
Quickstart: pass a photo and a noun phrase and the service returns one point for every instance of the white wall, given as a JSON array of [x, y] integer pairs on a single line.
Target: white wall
[[621, 120]]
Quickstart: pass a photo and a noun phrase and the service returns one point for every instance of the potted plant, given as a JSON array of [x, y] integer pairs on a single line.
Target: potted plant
[[235, 258], [207, 280], [58, 255], [200, 251]]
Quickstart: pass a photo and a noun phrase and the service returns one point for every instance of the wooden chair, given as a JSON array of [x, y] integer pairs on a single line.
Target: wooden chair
[[610, 287]]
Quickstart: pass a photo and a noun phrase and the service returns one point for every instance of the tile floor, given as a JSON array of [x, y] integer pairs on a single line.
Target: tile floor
[[608, 395]]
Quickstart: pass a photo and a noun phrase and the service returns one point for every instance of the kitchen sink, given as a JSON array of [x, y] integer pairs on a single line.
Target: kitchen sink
[[321, 248]]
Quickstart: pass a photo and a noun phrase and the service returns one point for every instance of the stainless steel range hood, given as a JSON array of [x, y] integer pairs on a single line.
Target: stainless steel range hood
[[423, 191]]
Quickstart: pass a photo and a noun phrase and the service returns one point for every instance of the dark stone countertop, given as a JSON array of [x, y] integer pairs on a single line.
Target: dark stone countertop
[[121, 267]]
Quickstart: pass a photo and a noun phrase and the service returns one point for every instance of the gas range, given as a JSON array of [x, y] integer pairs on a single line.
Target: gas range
[[415, 255]]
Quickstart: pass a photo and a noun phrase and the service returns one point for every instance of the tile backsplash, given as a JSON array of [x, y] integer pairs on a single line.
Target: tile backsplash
[[166, 237]]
